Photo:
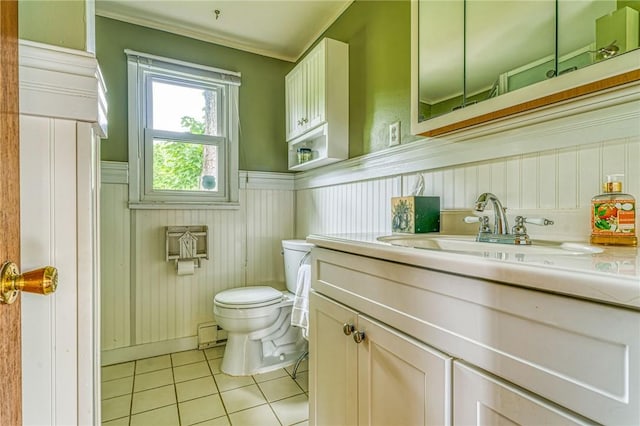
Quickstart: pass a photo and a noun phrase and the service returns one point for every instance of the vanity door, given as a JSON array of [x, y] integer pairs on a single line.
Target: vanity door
[[333, 369], [481, 399], [400, 381]]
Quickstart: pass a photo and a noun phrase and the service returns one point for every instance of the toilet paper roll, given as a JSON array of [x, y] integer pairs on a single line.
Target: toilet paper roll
[[186, 267]]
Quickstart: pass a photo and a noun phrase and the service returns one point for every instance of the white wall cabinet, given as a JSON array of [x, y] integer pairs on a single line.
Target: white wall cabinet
[[367, 373], [519, 352], [317, 105]]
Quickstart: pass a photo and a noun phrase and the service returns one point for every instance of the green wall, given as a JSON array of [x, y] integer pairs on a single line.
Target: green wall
[[58, 22], [379, 38], [262, 137]]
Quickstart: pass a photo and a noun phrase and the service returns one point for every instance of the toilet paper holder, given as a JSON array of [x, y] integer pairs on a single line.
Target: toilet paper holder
[[187, 243]]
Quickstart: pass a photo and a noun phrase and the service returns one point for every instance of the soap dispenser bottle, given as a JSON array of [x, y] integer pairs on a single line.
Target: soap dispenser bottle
[[613, 215]]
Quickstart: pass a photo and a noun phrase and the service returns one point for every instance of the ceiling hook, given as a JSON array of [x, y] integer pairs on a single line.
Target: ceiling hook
[[217, 12]]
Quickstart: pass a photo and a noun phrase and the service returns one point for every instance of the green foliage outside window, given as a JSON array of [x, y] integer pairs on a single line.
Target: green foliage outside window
[[178, 165]]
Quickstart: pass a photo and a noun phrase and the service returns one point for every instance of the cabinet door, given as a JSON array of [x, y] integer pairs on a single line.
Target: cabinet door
[[295, 101], [400, 380], [332, 363], [480, 399], [315, 70]]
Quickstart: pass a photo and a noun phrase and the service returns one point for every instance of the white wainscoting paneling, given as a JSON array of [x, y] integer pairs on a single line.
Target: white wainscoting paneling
[[48, 227], [269, 219], [115, 256], [147, 308], [348, 208], [557, 183]]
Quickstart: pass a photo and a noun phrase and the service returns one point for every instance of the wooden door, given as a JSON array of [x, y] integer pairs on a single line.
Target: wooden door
[[10, 346], [333, 369]]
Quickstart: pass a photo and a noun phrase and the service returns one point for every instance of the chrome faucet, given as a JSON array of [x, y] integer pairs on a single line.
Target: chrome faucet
[[500, 232], [500, 227]]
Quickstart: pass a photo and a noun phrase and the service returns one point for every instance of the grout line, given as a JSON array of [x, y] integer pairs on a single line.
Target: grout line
[[133, 386], [267, 400], [219, 392]]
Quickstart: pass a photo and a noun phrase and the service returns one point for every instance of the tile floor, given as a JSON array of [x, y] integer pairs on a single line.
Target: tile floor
[[188, 388]]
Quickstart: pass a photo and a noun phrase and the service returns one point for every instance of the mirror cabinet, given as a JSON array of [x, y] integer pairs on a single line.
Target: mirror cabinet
[[474, 61]]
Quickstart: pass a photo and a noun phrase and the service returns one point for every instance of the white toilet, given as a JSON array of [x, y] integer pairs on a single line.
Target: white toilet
[[257, 319]]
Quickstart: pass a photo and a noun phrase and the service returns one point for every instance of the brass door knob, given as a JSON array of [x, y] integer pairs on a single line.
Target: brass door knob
[[40, 281]]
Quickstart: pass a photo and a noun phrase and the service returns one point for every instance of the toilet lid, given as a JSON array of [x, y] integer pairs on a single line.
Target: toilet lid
[[245, 297]]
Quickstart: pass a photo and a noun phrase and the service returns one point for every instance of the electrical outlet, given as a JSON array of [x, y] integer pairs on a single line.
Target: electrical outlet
[[394, 133]]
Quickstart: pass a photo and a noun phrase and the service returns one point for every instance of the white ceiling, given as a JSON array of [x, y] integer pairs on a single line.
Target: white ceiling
[[282, 29]]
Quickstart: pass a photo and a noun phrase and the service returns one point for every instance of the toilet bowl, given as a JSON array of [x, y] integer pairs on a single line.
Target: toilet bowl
[[257, 319]]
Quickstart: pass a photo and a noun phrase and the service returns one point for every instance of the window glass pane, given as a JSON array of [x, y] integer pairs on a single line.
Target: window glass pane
[[179, 108], [183, 166]]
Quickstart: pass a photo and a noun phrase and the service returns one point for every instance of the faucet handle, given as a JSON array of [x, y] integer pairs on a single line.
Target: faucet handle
[[519, 228], [472, 219], [482, 220], [538, 221]]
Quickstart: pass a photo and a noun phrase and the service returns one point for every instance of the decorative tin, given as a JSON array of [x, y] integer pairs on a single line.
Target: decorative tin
[[415, 214]]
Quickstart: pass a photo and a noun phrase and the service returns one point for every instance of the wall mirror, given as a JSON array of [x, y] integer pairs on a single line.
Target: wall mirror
[[474, 61]]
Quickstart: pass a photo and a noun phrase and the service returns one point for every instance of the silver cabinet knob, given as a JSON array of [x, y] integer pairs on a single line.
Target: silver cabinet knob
[[358, 336]]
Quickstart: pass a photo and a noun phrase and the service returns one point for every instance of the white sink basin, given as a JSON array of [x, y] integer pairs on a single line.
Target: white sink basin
[[467, 244]]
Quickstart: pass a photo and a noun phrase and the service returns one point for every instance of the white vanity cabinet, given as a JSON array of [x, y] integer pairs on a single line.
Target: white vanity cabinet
[[519, 354], [364, 372], [317, 105]]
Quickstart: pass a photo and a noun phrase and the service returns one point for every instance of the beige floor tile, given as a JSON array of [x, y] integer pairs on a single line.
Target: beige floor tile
[[196, 388], [117, 371], [226, 382], [220, 421], [191, 371], [153, 398], [152, 364], [303, 380], [201, 409], [114, 408], [242, 398], [187, 357], [281, 372], [165, 416], [281, 388], [117, 387], [304, 366], [213, 353], [257, 416], [154, 379], [292, 410], [214, 364], [123, 421]]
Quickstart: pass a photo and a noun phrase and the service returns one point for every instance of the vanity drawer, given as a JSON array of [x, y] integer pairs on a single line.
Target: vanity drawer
[[582, 355]]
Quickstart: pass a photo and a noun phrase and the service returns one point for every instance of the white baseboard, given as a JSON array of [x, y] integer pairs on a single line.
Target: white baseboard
[[131, 353]]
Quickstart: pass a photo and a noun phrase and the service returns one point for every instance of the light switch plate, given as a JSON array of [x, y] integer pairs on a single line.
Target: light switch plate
[[394, 133]]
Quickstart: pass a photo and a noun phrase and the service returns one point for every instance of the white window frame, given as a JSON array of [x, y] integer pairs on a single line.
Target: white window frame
[[142, 70]]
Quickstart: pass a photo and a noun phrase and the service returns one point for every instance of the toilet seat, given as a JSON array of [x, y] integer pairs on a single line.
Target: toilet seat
[[248, 297]]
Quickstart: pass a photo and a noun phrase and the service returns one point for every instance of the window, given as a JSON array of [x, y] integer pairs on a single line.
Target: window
[[183, 133]]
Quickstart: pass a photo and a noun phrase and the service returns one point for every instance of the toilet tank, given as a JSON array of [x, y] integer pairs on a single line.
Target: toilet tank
[[294, 251]]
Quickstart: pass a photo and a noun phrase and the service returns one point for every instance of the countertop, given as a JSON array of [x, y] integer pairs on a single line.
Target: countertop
[[612, 276]]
